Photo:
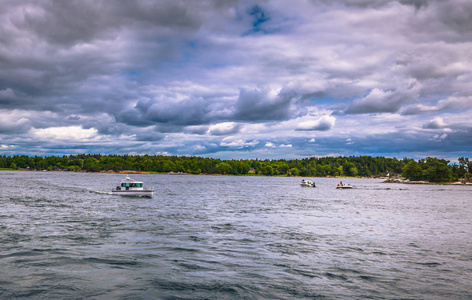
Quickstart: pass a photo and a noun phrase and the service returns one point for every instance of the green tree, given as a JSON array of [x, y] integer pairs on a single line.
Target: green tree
[[467, 176], [224, 168], [353, 171], [438, 170], [91, 164], [268, 171], [413, 171], [73, 168], [294, 172]]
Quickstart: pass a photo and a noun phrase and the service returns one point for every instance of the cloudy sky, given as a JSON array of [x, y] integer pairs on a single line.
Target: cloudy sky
[[237, 79]]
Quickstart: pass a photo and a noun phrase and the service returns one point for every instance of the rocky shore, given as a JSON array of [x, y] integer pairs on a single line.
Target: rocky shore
[[406, 181]]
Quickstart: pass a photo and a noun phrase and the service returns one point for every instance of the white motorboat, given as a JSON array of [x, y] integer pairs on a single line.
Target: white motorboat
[[307, 183], [131, 187]]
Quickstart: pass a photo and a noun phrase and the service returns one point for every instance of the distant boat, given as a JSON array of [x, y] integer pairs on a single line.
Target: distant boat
[[131, 187], [307, 183], [343, 186]]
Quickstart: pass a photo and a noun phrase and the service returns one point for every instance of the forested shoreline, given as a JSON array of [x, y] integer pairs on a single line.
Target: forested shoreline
[[430, 169]]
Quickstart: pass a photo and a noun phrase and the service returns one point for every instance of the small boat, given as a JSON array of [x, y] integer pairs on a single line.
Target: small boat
[[131, 187], [343, 186], [307, 183]]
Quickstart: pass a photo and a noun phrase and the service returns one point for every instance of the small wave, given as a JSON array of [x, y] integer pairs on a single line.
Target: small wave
[[223, 227], [15, 238], [429, 264], [114, 262], [335, 276], [305, 273], [368, 278], [181, 249], [357, 249], [193, 267], [201, 290], [21, 254], [194, 238]]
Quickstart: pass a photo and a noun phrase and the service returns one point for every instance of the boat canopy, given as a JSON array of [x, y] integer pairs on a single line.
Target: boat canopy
[[128, 182]]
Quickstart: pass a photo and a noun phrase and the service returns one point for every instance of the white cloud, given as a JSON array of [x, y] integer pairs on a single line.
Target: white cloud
[[435, 123], [223, 128], [453, 103], [439, 138], [237, 143], [321, 124], [70, 133], [164, 153], [199, 148]]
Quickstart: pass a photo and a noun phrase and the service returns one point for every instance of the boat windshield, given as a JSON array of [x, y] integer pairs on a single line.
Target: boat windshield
[[132, 184]]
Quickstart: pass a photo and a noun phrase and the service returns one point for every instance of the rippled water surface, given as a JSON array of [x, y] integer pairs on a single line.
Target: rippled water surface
[[63, 236]]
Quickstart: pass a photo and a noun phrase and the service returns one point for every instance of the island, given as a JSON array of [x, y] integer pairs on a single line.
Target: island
[[430, 169]]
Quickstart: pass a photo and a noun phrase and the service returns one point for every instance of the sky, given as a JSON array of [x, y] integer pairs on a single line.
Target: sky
[[232, 79]]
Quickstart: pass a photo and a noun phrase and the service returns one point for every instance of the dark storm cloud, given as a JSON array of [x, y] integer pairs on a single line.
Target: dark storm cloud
[[182, 112], [14, 127], [456, 16], [150, 136], [259, 105], [418, 4], [379, 101], [56, 48], [74, 22]]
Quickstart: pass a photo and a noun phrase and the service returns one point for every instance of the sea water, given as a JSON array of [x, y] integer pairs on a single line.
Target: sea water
[[64, 236]]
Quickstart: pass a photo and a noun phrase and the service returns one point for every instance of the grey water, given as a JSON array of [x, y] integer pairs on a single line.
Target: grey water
[[64, 236]]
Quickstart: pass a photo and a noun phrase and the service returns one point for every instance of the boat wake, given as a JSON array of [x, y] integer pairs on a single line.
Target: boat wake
[[101, 192]]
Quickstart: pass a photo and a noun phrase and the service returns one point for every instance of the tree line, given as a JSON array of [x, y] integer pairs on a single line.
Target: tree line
[[431, 169], [438, 170]]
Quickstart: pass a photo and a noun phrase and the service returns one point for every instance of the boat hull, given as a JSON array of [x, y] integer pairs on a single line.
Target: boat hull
[[307, 185], [141, 193], [344, 187]]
